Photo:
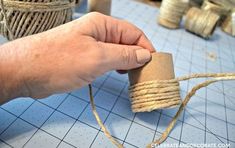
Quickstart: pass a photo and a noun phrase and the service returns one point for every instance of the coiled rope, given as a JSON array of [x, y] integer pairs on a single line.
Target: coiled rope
[[160, 87], [21, 18]]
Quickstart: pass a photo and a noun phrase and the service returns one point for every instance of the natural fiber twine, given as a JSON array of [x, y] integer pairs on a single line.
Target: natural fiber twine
[[228, 25], [168, 89], [195, 3], [171, 13], [219, 9], [22, 18], [201, 22]]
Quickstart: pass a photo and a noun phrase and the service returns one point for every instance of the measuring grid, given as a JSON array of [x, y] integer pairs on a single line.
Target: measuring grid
[[66, 120]]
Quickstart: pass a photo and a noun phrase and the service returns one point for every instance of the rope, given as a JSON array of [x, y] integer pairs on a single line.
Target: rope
[[171, 13], [22, 18], [162, 92], [38, 6], [201, 22]]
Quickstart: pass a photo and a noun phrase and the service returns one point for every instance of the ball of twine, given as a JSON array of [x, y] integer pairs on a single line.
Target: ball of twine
[[219, 9], [201, 22], [228, 25], [171, 13], [21, 18]]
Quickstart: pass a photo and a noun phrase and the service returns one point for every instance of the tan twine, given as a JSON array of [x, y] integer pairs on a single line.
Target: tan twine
[[171, 13], [26, 17], [228, 25], [219, 9], [201, 22], [165, 91]]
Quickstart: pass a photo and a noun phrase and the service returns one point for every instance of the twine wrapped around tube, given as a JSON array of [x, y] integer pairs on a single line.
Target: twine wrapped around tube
[[228, 25], [159, 90], [171, 13], [215, 78], [22, 18], [201, 22], [219, 9]]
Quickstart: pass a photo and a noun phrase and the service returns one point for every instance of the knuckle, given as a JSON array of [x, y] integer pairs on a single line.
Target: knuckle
[[95, 14], [126, 56]]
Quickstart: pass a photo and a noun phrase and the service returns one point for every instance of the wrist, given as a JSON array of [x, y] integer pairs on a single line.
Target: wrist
[[11, 80]]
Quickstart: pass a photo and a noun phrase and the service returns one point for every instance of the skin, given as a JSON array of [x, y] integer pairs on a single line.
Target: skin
[[69, 56]]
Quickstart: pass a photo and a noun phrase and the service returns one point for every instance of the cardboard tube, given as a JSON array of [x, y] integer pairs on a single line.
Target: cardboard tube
[[102, 6], [159, 68]]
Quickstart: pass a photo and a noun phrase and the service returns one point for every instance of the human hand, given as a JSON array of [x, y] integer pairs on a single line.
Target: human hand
[[74, 54]]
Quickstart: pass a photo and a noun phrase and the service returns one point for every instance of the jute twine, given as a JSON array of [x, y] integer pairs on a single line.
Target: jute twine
[[201, 22], [21, 18], [170, 88], [195, 3], [171, 13], [228, 25], [219, 9]]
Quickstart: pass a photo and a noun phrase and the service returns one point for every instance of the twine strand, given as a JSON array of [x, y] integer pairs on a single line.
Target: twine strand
[[215, 78], [99, 121]]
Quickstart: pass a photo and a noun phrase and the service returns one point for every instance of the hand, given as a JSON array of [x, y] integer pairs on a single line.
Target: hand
[[74, 54]]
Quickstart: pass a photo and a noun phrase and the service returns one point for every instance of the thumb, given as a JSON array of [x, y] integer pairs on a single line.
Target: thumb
[[124, 57]]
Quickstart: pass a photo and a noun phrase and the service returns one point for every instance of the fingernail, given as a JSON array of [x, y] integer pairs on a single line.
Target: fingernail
[[143, 56]]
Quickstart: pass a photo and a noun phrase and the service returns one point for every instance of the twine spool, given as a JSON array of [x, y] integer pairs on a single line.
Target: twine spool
[[219, 9], [148, 89], [171, 13], [21, 18], [201, 22], [228, 25], [102, 6]]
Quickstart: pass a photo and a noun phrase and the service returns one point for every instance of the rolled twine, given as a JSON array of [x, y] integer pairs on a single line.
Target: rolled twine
[[228, 25], [219, 9], [201, 22], [22, 18], [148, 94], [171, 13]]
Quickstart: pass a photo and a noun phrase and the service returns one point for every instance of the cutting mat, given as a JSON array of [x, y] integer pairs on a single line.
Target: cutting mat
[[66, 121]]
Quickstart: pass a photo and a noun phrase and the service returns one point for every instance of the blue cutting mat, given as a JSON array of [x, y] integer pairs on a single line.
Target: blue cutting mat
[[66, 121]]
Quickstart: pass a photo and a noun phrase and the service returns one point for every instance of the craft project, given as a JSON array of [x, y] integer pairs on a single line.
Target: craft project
[[171, 13], [155, 82], [228, 25], [149, 87], [219, 9], [22, 18], [201, 22]]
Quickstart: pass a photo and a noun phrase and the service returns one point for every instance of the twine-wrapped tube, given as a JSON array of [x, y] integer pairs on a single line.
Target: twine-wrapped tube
[[150, 87], [228, 25], [201, 22], [152, 95], [219, 9], [154, 85], [171, 13], [22, 18]]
